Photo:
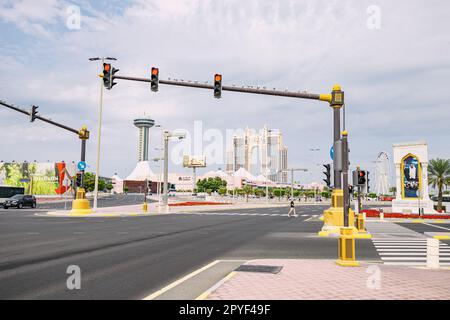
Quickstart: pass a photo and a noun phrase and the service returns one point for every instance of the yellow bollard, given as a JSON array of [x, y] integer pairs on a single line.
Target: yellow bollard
[[144, 207], [361, 227], [346, 248], [360, 221]]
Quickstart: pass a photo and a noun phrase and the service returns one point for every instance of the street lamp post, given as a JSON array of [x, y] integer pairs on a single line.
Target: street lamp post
[[267, 164], [100, 111], [292, 177], [167, 135]]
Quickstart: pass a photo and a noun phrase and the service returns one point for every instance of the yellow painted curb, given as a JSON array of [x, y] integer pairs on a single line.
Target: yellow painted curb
[[205, 294], [321, 218], [417, 221], [323, 233], [343, 263], [442, 237], [362, 236]]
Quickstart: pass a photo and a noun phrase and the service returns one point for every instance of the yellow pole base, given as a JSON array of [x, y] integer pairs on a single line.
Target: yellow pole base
[[333, 218], [145, 207], [343, 263], [81, 205]]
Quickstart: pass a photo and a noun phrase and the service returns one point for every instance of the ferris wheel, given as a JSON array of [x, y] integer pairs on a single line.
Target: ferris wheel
[[383, 172]]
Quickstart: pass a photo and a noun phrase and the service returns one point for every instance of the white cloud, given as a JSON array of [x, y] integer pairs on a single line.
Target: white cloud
[[394, 77]]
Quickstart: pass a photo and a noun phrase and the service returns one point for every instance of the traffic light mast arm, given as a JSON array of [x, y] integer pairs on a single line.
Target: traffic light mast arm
[[302, 95], [39, 117]]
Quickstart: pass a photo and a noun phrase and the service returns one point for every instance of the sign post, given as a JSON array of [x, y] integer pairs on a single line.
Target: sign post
[[194, 162]]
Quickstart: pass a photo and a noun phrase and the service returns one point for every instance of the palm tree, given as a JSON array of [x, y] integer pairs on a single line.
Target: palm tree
[[439, 176]]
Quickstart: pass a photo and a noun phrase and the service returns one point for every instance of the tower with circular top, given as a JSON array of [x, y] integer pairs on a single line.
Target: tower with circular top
[[143, 124]]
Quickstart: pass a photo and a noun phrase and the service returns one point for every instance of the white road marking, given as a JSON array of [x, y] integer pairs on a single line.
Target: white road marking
[[175, 283], [432, 225]]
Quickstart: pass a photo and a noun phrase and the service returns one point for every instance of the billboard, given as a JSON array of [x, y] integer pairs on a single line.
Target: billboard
[[40, 178], [194, 161], [411, 177]]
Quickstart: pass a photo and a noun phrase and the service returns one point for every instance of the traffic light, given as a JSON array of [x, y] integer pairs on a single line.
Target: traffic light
[[328, 175], [108, 75], [33, 113], [78, 180], [361, 177], [351, 189], [154, 79], [218, 86]]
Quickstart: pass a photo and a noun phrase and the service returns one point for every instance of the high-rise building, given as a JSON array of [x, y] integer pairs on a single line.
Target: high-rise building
[[270, 160], [143, 124]]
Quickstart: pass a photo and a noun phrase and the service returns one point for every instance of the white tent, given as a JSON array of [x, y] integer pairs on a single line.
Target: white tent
[[262, 178], [141, 172], [244, 174]]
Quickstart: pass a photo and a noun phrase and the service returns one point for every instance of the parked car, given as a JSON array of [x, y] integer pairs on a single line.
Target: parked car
[[19, 201]]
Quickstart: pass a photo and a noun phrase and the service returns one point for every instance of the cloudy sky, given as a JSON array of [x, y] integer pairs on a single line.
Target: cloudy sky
[[391, 58]]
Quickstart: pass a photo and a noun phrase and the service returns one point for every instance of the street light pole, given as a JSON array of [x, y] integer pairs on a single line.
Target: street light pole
[[167, 136], [166, 169], [100, 111], [267, 167], [97, 165]]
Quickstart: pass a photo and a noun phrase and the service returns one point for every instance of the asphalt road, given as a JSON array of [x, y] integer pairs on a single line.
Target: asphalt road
[[103, 201], [129, 258]]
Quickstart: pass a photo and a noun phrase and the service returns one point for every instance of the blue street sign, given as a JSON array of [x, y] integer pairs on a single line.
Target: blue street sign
[[81, 165], [24, 180], [332, 153]]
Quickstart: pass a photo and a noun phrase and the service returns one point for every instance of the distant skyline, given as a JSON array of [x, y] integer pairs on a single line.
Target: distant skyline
[[391, 59]]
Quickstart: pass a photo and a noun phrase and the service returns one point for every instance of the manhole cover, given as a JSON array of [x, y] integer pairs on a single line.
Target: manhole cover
[[259, 268]]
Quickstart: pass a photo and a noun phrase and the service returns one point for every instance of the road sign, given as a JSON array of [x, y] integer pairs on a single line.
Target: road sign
[[332, 153], [81, 165], [24, 180]]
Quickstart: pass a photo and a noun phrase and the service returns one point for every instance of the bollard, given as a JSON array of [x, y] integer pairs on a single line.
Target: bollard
[[381, 214], [144, 207], [346, 248], [432, 253], [360, 224]]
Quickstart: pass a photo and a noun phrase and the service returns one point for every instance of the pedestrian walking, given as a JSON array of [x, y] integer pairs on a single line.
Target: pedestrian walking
[[292, 209]]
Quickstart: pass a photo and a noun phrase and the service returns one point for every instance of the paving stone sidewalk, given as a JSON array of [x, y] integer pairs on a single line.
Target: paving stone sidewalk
[[324, 280]]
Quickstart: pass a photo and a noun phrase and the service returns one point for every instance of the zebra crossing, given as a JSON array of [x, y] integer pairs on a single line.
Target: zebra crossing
[[254, 214], [397, 245], [412, 251]]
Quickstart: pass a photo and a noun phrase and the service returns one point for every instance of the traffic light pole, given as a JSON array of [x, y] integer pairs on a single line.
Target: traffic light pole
[[80, 205], [83, 159], [345, 177], [336, 136]]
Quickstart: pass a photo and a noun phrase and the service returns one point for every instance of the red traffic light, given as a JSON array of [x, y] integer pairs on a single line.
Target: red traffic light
[[155, 71], [106, 67]]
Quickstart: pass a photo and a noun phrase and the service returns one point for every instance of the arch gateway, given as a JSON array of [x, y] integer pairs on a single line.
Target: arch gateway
[[411, 172]]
